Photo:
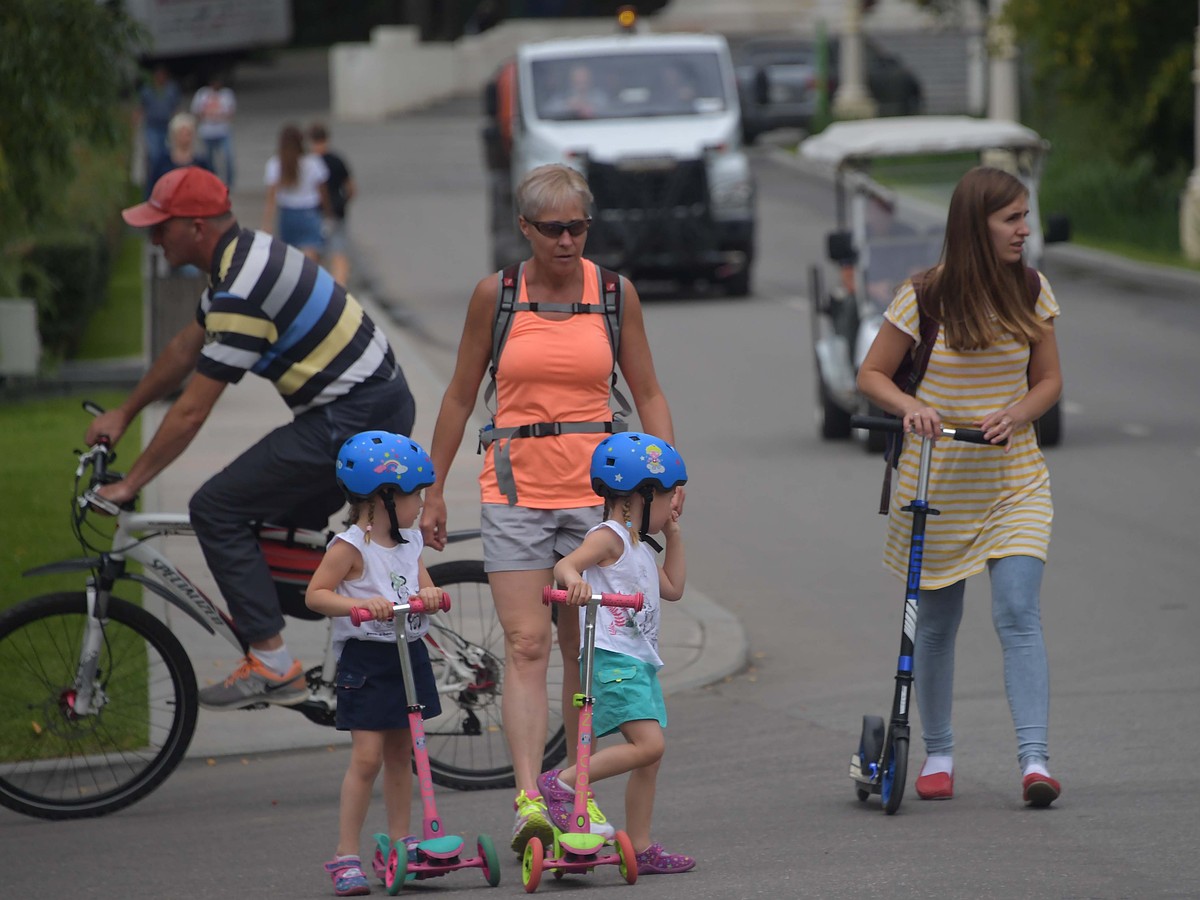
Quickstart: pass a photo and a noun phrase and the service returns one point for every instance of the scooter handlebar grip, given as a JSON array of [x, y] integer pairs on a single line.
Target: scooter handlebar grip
[[877, 423], [970, 435], [625, 601], [360, 614]]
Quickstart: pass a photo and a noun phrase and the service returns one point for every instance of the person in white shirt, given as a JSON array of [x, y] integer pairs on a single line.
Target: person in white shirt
[[297, 197], [214, 106]]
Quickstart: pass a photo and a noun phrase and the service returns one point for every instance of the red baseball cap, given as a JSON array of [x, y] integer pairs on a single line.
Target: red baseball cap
[[188, 192]]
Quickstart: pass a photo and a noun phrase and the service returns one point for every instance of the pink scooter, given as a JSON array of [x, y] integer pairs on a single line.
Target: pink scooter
[[577, 849], [437, 853]]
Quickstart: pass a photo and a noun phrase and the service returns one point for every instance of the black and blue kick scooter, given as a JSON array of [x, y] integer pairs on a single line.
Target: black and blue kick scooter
[[880, 765]]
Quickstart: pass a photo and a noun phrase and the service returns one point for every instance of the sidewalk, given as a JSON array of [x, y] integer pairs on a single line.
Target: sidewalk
[[702, 643]]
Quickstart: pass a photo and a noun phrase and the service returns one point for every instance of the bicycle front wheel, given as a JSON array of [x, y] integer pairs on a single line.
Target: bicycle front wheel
[[58, 764], [466, 743]]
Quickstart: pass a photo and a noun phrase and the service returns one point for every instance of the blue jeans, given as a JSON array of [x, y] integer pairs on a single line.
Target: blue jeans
[[1016, 614], [221, 146]]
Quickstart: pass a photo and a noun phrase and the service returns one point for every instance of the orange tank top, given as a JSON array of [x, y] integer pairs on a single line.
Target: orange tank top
[[552, 372]]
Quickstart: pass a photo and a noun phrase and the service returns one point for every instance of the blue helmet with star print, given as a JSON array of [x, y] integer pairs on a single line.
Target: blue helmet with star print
[[632, 461], [371, 460]]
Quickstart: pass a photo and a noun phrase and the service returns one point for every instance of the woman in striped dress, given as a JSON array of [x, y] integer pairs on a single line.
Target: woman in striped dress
[[995, 367]]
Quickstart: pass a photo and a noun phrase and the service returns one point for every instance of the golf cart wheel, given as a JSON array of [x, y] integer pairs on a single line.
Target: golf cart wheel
[[1049, 426], [870, 748], [835, 421], [895, 773]]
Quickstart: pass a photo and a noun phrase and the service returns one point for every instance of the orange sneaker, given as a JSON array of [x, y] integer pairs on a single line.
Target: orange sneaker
[[253, 683]]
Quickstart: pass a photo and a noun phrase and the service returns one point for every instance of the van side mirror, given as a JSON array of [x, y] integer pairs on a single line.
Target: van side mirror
[[1058, 228], [839, 245]]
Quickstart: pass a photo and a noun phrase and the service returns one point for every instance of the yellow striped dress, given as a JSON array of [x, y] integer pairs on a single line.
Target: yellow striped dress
[[992, 504]]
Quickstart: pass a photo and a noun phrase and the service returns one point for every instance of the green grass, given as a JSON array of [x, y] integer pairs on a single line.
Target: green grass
[[115, 329], [37, 440]]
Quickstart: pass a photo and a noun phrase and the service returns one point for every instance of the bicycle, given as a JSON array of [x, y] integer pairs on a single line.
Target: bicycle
[[100, 698]]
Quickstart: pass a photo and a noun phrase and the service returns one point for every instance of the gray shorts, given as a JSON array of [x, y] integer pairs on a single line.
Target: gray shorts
[[517, 539]]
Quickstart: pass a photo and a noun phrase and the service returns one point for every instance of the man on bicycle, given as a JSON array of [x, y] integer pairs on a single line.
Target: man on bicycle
[[267, 310]]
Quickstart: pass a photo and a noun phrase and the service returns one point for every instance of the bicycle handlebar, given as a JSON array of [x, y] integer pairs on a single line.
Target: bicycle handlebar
[[896, 426], [625, 601], [360, 614]]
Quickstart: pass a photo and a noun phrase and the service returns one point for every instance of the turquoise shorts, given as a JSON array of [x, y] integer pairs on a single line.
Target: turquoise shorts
[[625, 690]]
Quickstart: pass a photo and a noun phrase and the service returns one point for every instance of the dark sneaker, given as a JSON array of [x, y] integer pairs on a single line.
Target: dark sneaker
[[654, 860], [560, 806], [348, 877], [253, 683]]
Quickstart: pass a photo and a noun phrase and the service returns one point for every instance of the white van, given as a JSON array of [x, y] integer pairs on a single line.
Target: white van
[[653, 123]]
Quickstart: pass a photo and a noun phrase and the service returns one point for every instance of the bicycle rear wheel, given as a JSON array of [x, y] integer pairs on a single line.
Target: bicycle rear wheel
[[55, 764], [466, 743]]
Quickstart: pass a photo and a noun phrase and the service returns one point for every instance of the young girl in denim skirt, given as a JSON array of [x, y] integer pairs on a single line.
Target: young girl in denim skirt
[[372, 564], [637, 475]]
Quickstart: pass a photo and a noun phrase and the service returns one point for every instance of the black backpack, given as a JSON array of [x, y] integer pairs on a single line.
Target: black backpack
[[912, 368]]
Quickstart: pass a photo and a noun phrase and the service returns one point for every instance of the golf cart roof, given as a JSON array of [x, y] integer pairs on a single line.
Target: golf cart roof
[[863, 139]]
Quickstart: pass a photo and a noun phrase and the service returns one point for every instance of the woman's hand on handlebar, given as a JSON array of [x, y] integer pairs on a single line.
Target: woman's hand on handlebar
[[924, 421], [433, 521], [1000, 426]]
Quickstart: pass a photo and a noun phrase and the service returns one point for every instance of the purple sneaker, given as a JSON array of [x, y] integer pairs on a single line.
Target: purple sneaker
[[560, 805], [348, 877], [654, 860]]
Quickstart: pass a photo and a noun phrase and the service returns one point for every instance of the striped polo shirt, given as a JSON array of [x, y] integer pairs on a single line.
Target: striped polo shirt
[[270, 310], [993, 504]]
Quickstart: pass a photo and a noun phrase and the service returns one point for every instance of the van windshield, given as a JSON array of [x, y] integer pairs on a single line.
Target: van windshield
[[631, 85]]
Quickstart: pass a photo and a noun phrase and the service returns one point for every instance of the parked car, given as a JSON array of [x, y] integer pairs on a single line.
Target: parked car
[[778, 83]]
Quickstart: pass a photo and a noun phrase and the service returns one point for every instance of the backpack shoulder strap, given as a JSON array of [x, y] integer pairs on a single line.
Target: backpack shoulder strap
[[508, 287], [1033, 283], [612, 297]]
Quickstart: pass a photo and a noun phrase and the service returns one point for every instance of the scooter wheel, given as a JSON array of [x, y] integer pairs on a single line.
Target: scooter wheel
[[628, 857], [397, 869], [531, 864], [491, 864], [895, 773], [870, 748]]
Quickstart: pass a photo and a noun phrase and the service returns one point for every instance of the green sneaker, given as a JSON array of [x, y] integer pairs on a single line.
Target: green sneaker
[[531, 821]]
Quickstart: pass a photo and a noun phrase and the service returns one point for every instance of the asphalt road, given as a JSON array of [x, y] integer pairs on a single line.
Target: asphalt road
[[782, 530]]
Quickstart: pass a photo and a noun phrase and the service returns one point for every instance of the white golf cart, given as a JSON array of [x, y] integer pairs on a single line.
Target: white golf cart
[[893, 178]]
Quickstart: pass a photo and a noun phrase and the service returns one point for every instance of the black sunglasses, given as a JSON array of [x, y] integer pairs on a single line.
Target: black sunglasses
[[574, 228]]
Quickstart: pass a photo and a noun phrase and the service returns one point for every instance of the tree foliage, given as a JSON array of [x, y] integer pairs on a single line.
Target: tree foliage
[[63, 69], [1129, 61]]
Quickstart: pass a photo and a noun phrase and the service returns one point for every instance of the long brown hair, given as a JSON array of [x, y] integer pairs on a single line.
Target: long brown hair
[[973, 294], [291, 148]]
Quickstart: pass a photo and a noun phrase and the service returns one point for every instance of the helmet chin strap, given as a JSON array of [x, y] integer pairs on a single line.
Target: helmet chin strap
[[643, 533], [389, 503]]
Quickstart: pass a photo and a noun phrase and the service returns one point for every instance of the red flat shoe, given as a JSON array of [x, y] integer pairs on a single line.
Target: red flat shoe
[[938, 786], [1039, 791]]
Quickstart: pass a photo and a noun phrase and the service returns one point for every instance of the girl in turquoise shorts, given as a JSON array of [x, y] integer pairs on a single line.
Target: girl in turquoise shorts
[[636, 474]]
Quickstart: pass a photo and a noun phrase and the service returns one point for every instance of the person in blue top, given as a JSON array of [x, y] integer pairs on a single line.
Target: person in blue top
[[637, 475], [158, 100]]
